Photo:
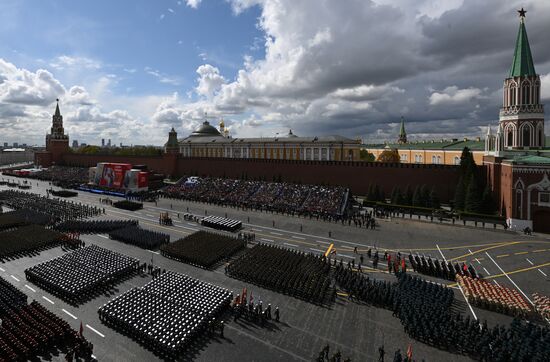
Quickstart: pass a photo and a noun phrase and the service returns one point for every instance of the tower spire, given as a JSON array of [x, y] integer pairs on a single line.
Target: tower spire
[[522, 64], [402, 133], [57, 112]]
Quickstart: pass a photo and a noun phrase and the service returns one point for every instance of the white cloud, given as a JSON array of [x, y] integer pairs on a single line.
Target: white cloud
[[366, 92], [545, 86], [193, 3], [453, 96], [24, 87], [66, 61], [163, 78], [209, 80]]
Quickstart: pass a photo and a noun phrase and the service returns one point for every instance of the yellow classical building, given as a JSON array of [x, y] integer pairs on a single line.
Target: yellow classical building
[[207, 141]]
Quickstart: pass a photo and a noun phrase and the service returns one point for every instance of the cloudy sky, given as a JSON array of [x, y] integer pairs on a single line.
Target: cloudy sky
[[129, 70]]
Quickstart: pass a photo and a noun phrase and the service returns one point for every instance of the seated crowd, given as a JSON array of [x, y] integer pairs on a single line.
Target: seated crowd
[[494, 297], [203, 248], [134, 235], [29, 331], [64, 176], [292, 272], [308, 200], [78, 275], [168, 313]]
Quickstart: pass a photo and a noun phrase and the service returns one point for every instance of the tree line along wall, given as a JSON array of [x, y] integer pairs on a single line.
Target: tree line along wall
[[355, 175]]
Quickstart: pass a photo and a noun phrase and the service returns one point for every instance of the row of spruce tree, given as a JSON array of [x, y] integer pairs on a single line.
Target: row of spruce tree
[[473, 193], [420, 197]]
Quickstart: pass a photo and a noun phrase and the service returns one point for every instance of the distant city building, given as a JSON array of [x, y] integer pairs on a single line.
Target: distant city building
[[103, 142], [109, 143], [207, 141], [15, 145], [6, 145], [75, 144]]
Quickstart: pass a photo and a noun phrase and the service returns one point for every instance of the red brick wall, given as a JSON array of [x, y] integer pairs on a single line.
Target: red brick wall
[[355, 175]]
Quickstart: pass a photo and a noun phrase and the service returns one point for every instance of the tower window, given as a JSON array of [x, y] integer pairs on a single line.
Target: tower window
[[526, 136], [510, 138]]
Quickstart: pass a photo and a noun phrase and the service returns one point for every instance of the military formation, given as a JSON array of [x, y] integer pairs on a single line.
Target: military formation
[[203, 248], [139, 237], [30, 330], [305, 276], [26, 240], [440, 269], [78, 276], [494, 297], [93, 226], [58, 210], [128, 205], [425, 311], [168, 313]]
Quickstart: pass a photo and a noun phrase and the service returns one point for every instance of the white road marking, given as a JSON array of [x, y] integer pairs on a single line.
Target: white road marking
[[477, 261], [322, 242], [154, 252], [191, 224], [347, 256], [268, 240], [29, 288], [298, 237], [103, 236], [486, 271], [274, 233], [459, 287], [48, 300], [510, 279], [543, 273], [320, 251], [530, 262], [94, 357], [95, 330], [292, 245], [14, 277], [150, 215], [3, 269], [470, 252], [496, 282], [69, 314]]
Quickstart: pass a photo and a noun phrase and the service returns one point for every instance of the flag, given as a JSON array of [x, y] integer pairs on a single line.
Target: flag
[[244, 294], [251, 297], [403, 264], [410, 352], [81, 329], [238, 300]]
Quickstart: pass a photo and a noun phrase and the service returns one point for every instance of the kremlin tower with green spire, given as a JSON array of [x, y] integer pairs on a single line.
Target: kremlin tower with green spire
[[521, 120]]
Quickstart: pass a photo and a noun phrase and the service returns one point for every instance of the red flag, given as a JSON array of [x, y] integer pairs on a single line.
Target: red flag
[[238, 300], [410, 352], [251, 297], [402, 263], [244, 295], [81, 329]]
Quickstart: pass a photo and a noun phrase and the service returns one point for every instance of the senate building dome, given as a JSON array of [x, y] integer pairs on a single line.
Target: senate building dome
[[205, 130]]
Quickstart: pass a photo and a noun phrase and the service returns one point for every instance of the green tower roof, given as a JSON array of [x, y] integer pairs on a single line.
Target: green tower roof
[[522, 65], [402, 129]]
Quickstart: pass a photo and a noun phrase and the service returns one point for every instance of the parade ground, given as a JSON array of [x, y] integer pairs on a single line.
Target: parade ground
[[357, 330]]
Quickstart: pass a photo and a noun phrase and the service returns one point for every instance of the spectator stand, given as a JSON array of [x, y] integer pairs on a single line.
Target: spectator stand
[[203, 249], [221, 223]]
